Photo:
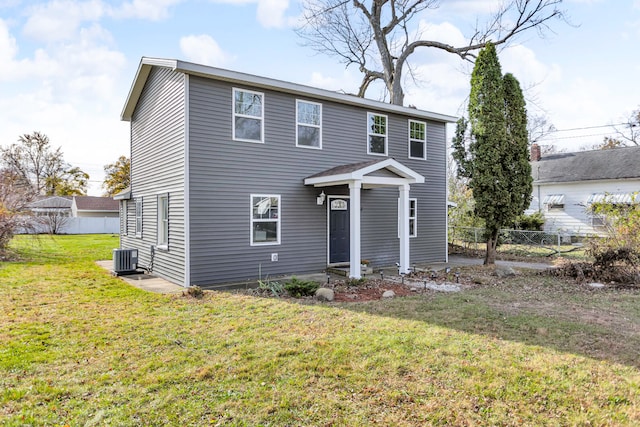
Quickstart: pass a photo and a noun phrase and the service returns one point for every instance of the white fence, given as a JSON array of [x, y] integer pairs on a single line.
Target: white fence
[[80, 225]]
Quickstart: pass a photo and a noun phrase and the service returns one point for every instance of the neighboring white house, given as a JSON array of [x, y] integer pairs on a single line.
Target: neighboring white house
[[76, 215], [566, 184]]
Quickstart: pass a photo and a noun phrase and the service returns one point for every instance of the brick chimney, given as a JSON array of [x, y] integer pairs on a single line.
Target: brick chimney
[[535, 152]]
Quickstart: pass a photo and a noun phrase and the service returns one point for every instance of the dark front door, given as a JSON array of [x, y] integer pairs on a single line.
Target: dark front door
[[338, 231]]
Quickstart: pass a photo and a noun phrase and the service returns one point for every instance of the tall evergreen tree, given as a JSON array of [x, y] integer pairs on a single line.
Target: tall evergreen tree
[[496, 162], [518, 144]]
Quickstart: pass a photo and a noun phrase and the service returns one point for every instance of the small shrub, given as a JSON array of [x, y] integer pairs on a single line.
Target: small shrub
[[299, 288], [351, 281], [533, 222], [194, 292], [275, 288]]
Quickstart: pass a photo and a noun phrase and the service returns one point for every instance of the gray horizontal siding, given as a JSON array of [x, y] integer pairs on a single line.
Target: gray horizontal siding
[[157, 167], [223, 174]]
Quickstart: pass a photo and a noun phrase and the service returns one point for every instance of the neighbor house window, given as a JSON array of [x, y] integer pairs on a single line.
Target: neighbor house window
[[309, 124], [554, 202], [265, 219], [248, 115], [417, 140], [163, 220], [376, 134], [139, 217], [413, 218], [125, 218]]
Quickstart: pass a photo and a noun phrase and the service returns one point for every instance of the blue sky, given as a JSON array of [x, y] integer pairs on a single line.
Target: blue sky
[[66, 66]]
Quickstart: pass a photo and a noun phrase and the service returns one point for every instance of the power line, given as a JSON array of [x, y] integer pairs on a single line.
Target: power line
[[574, 136], [589, 127]]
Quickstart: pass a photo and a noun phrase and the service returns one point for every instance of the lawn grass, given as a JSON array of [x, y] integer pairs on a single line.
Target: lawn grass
[[79, 347]]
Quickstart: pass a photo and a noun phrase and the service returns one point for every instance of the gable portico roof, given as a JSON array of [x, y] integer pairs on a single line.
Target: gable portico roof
[[235, 77], [367, 172]]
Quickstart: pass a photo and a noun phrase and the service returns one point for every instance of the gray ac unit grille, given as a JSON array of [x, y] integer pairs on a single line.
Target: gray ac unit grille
[[125, 260]]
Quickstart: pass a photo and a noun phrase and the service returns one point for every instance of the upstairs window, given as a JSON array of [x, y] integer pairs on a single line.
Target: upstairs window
[[417, 140], [248, 116], [265, 220], [309, 124], [376, 134]]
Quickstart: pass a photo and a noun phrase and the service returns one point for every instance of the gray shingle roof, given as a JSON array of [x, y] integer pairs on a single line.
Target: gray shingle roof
[[617, 163], [346, 168], [52, 202], [91, 203]]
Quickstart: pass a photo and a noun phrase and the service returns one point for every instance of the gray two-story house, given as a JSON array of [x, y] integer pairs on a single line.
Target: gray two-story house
[[235, 176]]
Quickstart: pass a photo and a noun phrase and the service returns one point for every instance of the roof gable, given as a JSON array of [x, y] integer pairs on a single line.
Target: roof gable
[[617, 163]]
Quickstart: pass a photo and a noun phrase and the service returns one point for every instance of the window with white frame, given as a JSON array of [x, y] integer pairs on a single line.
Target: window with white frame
[[308, 124], [417, 140], [248, 115], [376, 134], [125, 218], [265, 219], [413, 217], [163, 220], [138, 217]]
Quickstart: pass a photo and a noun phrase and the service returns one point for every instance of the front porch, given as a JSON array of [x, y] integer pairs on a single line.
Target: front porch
[[367, 175]]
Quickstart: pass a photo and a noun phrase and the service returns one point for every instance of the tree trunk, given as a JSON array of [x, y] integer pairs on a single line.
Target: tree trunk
[[492, 244]]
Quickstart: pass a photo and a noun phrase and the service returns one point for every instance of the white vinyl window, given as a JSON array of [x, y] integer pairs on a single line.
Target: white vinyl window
[[417, 140], [413, 218], [376, 134], [265, 219], [125, 218], [139, 217], [163, 221], [248, 115], [308, 124]]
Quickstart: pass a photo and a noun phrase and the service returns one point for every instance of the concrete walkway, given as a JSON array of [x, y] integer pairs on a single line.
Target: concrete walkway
[[147, 282]]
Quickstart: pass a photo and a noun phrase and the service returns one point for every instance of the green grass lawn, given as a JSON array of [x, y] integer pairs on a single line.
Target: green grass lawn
[[79, 347]]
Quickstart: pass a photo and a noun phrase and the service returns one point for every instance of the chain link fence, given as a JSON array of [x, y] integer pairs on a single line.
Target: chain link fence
[[471, 238]]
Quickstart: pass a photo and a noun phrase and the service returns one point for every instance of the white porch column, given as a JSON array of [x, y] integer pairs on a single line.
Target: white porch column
[[354, 228], [403, 214]]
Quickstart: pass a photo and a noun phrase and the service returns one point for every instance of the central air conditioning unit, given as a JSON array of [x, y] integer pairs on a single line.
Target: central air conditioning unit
[[125, 261]]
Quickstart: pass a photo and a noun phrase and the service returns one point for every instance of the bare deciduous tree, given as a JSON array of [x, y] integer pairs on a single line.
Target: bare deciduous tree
[[628, 133], [14, 215], [379, 36], [34, 161]]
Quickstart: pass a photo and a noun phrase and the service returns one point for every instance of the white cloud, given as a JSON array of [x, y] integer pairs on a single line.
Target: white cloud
[[270, 13], [347, 82], [444, 32], [526, 67], [153, 10], [474, 7], [12, 69], [59, 19], [203, 49]]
